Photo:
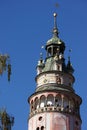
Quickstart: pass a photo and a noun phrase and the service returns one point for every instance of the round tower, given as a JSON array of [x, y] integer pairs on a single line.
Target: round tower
[[54, 105]]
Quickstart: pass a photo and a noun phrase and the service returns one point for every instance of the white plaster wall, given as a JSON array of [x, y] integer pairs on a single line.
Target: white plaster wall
[[51, 78]]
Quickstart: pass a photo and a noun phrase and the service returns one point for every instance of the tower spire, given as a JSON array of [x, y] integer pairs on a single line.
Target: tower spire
[[55, 29]]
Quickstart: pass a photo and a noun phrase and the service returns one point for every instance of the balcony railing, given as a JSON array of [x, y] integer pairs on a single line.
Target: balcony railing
[[53, 109]]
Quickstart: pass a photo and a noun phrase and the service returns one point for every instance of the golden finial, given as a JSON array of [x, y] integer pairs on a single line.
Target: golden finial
[[55, 29], [55, 14]]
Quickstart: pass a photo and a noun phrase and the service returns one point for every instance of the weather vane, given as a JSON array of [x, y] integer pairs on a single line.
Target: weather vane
[[5, 65], [56, 5], [70, 50]]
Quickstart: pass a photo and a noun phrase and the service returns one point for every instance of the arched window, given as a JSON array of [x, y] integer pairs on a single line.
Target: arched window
[[36, 103], [71, 105], [42, 127], [50, 100], [58, 100], [32, 105], [42, 101], [66, 102]]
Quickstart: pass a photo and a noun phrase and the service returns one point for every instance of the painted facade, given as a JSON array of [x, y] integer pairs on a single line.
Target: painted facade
[[54, 105]]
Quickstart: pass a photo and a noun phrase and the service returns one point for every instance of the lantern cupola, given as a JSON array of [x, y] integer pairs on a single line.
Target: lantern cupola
[[55, 46]]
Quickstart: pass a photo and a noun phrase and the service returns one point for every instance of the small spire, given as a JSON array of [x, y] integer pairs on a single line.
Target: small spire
[[55, 21], [70, 50], [55, 29], [69, 65], [41, 57], [41, 61], [68, 58]]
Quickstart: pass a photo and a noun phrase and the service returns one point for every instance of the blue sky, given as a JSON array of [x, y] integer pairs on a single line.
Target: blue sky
[[26, 25]]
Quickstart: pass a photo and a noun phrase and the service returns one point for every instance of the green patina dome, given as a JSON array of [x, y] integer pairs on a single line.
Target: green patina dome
[[54, 40]]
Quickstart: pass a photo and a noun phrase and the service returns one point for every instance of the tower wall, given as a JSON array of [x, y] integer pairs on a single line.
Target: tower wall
[[53, 121], [54, 110]]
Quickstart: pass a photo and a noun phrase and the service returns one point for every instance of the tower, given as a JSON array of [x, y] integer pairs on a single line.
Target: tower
[[54, 105]]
